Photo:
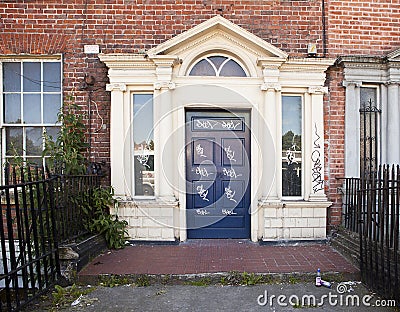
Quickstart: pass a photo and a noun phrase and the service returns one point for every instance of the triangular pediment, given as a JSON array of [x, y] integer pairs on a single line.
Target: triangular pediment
[[220, 29]]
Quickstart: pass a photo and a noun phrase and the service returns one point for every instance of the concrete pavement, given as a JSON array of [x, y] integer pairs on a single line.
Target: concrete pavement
[[276, 297]]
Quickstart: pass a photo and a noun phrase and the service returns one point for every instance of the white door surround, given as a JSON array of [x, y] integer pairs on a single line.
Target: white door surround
[[163, 71]]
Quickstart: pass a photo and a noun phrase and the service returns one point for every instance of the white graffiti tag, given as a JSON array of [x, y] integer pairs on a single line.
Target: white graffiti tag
[[200, 151], [230, 125], [203, 172], [206, 124], [230, 172], [202, 212], [230, 194], [228, 212], [229, 153], [202, 192]]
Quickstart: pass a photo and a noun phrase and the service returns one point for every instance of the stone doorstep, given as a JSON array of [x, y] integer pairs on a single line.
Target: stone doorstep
[[73, 257], [220, 278]]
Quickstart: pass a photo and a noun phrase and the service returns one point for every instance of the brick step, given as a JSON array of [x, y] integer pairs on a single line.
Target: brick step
[[347, 244]]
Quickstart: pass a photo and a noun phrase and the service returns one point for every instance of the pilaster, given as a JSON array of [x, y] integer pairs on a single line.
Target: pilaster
[[163, 126], [352, 127], [317, 192], [393, 123], [116, 139]]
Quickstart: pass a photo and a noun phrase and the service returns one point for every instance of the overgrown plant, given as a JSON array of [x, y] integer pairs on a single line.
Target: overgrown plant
[[69, 148], [95, 206]]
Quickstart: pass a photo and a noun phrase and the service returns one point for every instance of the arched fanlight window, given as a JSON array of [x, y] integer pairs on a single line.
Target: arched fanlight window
[[219, 66]]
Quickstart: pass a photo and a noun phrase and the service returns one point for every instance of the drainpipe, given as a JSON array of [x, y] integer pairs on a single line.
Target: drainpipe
[[323, 28]]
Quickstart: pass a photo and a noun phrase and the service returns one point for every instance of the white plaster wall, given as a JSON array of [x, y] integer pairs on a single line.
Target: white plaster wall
[[148, 220], [294, 221]]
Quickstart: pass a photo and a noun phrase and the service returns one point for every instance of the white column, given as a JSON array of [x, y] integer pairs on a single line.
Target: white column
[[269, 173], [383, 128], [352, 129], [165, 165], [117, 138], [317, 144], [271, 114], [393, 124]]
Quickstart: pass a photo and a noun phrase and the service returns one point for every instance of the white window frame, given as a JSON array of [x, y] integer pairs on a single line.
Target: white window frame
[[132, 94], [301, 196], [3, 124], [229, 57]]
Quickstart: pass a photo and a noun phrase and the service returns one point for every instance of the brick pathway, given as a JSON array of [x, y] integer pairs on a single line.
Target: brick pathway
[[211, 256]]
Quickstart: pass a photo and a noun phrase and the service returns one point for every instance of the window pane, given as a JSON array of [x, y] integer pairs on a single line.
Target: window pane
[[291, 145], [32, 110], [143, 118], [143, 144], [34, 141], [31, 77], [232, 69], [12, 77], [12, 108], [368, 97], [51, 77], [51, 107], [202, 68], [52, 132], [35, 161], [369, 130], [14, 141]]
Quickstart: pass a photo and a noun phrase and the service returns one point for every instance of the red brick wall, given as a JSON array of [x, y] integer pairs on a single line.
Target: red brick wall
[[363, 26], [334, 112]]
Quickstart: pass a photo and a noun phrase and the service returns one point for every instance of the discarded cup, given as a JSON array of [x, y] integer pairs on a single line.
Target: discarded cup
[[326, 284]]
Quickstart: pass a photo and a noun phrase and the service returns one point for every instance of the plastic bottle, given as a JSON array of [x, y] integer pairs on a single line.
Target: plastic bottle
[[318, 278]]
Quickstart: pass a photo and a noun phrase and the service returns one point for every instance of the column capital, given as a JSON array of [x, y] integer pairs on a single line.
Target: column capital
[[350, 83], [164, 85], [116, 87], [273, 63], [272, 86], [392, 83], [318, 90]]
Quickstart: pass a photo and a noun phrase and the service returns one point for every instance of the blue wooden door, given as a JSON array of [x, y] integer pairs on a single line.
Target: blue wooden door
[[218, 174]]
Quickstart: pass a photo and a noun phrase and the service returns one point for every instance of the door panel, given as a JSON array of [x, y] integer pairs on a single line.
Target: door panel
[[218, 174]]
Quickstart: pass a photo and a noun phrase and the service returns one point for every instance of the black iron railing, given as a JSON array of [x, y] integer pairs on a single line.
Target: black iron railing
[[39, 211], [371, 206], [379, 235]]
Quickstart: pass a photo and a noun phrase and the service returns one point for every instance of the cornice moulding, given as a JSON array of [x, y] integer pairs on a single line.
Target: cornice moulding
[[124, 60], [307, 64], [271, 62], [164, 60]]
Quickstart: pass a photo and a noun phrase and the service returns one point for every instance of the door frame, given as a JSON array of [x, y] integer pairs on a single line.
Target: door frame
[[256, 160]]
